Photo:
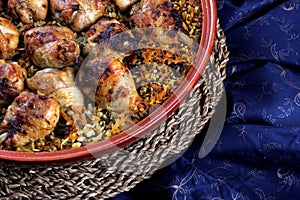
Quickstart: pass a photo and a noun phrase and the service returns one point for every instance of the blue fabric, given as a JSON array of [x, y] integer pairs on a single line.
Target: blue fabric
[[258, 153]]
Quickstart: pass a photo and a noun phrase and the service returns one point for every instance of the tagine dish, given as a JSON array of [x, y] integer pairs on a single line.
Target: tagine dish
[[56, 93]]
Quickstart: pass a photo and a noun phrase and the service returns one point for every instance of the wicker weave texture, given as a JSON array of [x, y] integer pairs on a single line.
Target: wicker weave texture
[[122, 170]]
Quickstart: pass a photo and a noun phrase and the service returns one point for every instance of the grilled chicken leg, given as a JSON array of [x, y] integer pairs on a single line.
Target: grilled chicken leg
[[11, 81], [29, 118], [124, 4], [48, 80], [52, 46], [79, 14], [60, 85], [154, 14], [28, 10], [114, 89], [9, 38], [104, 29]]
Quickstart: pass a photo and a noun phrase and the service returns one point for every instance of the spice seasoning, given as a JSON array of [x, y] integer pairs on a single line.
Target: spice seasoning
[[156, 73]]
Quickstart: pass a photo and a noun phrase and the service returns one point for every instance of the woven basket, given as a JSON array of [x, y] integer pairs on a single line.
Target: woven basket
[[120, 171]]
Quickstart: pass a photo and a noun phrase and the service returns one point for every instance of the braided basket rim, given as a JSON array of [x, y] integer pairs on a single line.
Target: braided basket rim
[[100, 178]]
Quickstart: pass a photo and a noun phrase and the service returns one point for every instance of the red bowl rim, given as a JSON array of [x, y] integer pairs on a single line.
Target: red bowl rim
[[142, 128]]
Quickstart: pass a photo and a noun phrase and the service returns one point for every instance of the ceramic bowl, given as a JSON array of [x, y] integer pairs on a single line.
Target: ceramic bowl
[[143, 127]]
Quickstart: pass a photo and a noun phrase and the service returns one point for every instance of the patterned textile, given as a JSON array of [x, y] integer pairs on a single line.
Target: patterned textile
[[258, 153]]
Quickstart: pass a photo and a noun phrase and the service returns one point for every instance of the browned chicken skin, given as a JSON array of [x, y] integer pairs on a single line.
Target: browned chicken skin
[[29, 118], [60, 85], [105, 28], [28, 10], [79, 14], [11, 81], [9, 38], [52, 46], [69, 97], [33, 116], [154, 13], [124, 4], [48, 80], [114, 89]]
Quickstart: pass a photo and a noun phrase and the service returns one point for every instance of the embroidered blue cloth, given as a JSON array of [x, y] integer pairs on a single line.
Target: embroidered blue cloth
[[258, 153]]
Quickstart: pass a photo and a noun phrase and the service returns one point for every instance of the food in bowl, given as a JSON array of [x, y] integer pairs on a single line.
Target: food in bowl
[[46, 109]]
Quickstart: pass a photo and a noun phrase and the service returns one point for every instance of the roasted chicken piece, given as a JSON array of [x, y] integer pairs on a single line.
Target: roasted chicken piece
[[48, 80], [69, 97], [11, 81], [101, 31], [9, 38], [154, 13], [28, 10], [59, 84], [79, 14], [124, 4], [71, 102], [28, 118], [116, 89], [112, 88], [52, 46]]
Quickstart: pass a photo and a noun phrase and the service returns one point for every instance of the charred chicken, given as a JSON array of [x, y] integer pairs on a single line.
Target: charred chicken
[[29, 118], [28, 10], [9, 38], [52, 46], [79, 14], [11, 81], [48, 80]]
